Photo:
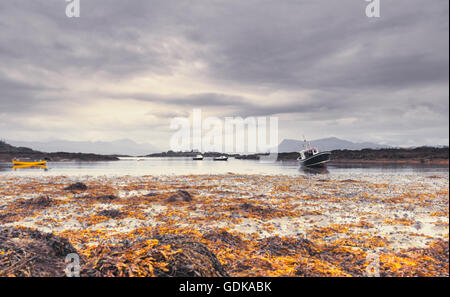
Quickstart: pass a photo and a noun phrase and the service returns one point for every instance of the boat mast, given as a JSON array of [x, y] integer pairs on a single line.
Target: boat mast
[[305, 144]]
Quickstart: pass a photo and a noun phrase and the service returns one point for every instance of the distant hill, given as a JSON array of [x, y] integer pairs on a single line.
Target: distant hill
[[7, 148], [119, 147], [9, 152], [327, 144]]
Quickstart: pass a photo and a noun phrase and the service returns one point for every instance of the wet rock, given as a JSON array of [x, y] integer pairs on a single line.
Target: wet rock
[[181, 195], [111, 213], [418, 225], [250, 208], [105, 198], [37, 203], [151, 194], [76, 187]]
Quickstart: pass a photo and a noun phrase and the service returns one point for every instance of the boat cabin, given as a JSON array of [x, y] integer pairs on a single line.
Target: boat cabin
[[305, 154]]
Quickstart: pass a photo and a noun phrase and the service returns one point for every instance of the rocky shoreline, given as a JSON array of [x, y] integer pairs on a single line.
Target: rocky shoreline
[[219, 225]]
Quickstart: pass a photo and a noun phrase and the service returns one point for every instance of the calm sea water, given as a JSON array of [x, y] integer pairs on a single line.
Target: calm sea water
[[185, 166]]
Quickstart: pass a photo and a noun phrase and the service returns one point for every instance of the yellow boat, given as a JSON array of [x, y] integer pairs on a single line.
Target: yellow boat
[[29, 166], [29, 163]]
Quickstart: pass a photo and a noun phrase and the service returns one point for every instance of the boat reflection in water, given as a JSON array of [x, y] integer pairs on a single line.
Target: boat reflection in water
[[314, 170], [15, 167]]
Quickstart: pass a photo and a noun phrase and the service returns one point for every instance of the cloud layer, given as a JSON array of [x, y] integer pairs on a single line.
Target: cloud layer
[[125, 68]]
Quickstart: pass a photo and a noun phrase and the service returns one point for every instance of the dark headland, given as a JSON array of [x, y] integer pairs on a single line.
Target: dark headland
[[9, 152], [419, 155]]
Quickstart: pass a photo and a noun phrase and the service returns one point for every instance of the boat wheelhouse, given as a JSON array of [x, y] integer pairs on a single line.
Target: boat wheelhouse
[[311, 157]]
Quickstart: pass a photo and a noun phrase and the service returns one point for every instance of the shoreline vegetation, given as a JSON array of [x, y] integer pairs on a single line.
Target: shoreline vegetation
[[225, 225], [420, 155]]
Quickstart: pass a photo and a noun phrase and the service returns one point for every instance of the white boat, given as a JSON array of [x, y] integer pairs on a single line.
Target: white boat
[[221, 158], [198, 157]]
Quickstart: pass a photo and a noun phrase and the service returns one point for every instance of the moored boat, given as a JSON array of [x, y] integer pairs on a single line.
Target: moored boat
[[29, 163], [198, 158], [29, 166], [311, 157], [220, 158]]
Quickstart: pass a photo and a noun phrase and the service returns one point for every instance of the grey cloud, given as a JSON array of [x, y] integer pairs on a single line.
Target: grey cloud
[[380, 71]]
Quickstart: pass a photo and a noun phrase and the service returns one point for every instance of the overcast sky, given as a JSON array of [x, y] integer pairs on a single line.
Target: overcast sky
[[124, 69]]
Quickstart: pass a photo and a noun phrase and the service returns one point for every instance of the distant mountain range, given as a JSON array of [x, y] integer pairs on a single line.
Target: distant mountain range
[[119, 147], [327, 144]]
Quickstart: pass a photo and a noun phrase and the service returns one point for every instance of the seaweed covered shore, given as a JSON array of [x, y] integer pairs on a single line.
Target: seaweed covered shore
[[225, 225]]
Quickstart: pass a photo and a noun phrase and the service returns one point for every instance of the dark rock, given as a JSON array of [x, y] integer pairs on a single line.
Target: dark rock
[[181, 195], [250, 208], [106, 198], [39, 202], [151, 194], [111, 213], [76, 187]]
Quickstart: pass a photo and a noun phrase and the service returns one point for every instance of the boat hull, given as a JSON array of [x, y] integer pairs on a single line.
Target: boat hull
[[29, 166], [318, 160], [220, 159], [15, 162]]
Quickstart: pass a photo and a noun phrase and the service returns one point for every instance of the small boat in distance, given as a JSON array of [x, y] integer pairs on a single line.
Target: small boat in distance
[[28, 163], [220, 158], [311, 157], [198, 158]]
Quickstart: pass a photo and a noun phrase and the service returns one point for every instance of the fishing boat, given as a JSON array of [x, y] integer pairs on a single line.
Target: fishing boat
[[29, 163], [311, 157], [220, 158], [198, 158]]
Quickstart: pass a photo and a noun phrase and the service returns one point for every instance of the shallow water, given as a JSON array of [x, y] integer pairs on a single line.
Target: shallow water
[[186, 166]]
